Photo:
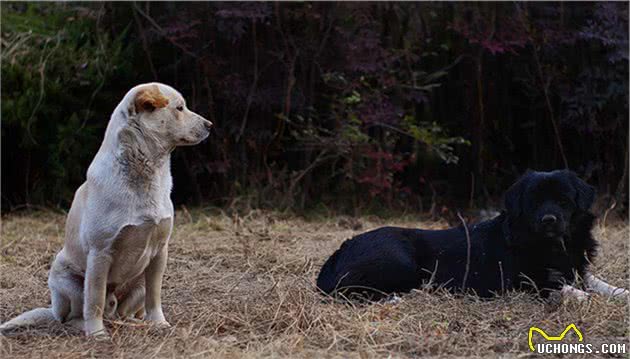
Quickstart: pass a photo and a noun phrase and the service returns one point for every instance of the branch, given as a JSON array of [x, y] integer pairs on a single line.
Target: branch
[[250, 95], [163, 33], [545, 86], [552, 118], [42, 91], [145, 45]]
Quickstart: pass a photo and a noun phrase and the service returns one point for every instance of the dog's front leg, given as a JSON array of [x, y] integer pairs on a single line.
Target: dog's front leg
[[95, 288], [599, 286], [153, 276]]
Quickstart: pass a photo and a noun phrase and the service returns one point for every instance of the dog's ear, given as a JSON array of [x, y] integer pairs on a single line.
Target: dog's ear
[[148, 99], [514, 195], [585, 193]]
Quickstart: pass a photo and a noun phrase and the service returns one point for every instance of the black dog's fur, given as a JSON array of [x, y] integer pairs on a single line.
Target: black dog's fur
[[515, 250]]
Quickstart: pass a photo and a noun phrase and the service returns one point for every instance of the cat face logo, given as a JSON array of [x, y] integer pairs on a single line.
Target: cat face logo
[[550, 338]]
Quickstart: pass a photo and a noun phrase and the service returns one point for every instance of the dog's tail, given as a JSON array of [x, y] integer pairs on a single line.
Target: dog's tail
[[35, 317]]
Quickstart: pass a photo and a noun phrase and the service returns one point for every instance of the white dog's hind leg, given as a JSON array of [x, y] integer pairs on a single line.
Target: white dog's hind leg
[[111, 304], [599, 286], [47, 316], [60, 304], [572, 292], [64, 294], [35, 317]]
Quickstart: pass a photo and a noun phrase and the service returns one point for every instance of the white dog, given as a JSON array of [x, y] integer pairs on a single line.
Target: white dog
[[118, 227]]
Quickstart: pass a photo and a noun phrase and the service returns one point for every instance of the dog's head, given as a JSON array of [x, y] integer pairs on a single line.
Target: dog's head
[[160, 111], [547, 202]]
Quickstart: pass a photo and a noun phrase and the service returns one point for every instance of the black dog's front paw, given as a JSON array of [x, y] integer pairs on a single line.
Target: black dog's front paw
[[555, 279]]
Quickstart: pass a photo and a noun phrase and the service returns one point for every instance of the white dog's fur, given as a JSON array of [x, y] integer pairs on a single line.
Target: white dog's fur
[[118, 227]]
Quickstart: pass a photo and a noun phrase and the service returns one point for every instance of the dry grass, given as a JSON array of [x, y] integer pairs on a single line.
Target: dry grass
[[244, 287]]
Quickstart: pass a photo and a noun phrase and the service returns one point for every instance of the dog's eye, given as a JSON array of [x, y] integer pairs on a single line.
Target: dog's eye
[[180, 108]]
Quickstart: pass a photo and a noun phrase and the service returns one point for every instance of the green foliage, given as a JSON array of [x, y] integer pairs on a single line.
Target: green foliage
[[434, 136], [55, 65], [351, 131]]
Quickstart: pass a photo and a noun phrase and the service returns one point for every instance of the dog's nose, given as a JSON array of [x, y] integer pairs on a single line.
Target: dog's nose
[[208, 124], [549, 219]]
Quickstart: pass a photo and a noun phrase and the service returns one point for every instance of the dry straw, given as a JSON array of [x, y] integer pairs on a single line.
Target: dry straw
[[243, 286]]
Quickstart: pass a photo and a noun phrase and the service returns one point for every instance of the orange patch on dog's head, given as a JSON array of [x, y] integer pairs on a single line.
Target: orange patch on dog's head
[[150, 98]]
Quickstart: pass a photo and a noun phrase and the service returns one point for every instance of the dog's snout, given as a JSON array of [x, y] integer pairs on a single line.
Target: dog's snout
[[549, 219], [207, 124]]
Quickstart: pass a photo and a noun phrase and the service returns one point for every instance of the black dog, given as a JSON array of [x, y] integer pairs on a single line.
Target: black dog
[[541, 242]]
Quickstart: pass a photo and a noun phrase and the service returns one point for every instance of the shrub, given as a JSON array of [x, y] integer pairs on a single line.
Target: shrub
[[56, 69]]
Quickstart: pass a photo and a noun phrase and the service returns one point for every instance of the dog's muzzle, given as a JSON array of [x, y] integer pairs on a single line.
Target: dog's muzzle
[[203, 131], [550, 226]]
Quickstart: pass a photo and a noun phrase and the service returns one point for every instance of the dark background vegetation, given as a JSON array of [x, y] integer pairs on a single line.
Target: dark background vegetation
[[347, 106]]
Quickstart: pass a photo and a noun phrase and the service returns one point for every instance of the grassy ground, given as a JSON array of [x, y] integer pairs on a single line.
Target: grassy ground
[[244, 287]]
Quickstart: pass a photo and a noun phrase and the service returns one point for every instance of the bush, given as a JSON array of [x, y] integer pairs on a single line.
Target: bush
[[56, 68]]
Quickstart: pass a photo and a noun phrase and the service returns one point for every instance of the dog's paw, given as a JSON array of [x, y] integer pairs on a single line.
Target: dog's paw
[[159, 327], [582, 296], [554, 276], [156, 319], [94, 328], [569, 292], [161, 324]]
